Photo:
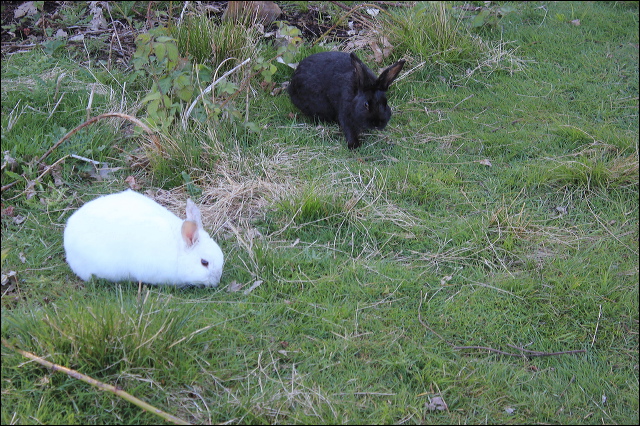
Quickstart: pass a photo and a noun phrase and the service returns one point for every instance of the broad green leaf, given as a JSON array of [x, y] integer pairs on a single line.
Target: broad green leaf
[[181, 81], [172, 53], [161, 50], [151, 97], [164, 84], [479, 20], [164, 39], [185, 93], [143, 38], [152, 108]]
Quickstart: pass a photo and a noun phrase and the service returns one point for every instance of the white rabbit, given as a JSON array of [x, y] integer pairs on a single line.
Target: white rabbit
[[127, 236]]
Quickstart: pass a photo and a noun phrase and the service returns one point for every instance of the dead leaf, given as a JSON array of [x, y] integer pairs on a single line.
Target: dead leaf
[[25, 9], [9, 161], [485, 162], [377, 52], [234, 286], [276, 91], [436, 403], [381, 53], [252, 234], [510, 410], [22, 257], [446, 279], [132, 183], [253, 287], [97, 21], [56, 173], [561, 210], [61, 33], [43, 381], [9, 211], [11, 275], [104, 171], [575, 22], [29, 189], [372, 11], [293, 65]]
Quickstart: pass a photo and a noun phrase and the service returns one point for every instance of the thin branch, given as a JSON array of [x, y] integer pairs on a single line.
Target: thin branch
[[32, 183], [102, 386], [207, 90], [99, 117], [134, 120]]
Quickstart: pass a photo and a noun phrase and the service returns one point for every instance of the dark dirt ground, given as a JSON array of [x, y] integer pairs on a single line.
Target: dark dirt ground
[[30, 31]]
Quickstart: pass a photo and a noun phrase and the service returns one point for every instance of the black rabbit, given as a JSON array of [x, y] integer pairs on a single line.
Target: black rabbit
[[337, 86]]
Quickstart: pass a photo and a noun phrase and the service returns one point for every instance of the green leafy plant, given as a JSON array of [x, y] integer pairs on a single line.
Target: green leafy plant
[[124, 10], [284, 53], [490, 16], [51, 46], [27, 12], [175, 79]]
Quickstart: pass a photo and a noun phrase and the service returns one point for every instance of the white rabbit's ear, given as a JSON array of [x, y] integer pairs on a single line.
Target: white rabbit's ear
[[193, 213], [189, 233]]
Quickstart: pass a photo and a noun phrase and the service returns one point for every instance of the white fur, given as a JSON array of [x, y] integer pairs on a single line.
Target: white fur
[[127, 236]]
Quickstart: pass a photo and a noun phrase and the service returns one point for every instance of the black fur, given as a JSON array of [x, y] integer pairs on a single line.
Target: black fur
[[338, 87]]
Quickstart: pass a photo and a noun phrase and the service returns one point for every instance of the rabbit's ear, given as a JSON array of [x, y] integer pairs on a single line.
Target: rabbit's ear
[[363, 78], [388, 75], [193, 213], [189, 233]]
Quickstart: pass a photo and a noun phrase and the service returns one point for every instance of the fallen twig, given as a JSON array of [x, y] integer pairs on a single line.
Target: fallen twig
[[134, 120], [93, 382], [32, 183], [187, 113], [99, 117]]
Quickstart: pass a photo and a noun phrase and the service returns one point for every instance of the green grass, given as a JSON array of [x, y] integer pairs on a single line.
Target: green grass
[[374, 264]]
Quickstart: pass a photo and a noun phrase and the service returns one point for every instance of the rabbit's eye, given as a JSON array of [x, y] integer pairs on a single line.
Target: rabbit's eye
[[204, 262]]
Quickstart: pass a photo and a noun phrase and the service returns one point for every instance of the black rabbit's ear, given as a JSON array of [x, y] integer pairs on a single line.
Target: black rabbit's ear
[[359, 69], [389, 74], [364, 77]]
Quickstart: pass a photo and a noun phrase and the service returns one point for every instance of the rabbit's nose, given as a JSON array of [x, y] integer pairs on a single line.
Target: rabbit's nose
[[379, 124]]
